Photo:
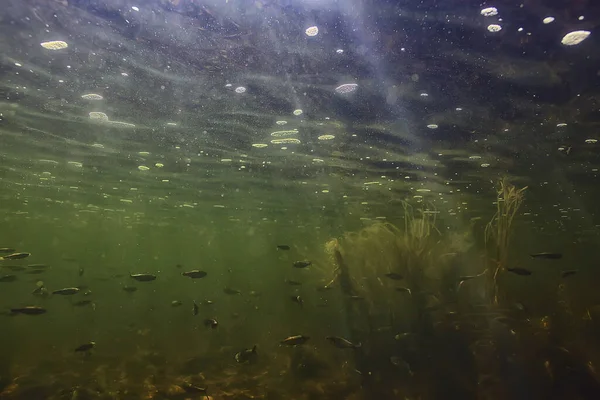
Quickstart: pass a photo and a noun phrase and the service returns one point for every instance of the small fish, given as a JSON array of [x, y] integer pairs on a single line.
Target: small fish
[[176, 303], [195, 274], [403, 290], [189, 388], [81, 271], [14, 267], [519, 271], [130, 289], [465, 278], [293, 283], [547, 256], [8, 278], [342, 343], [15, 256], [38, 266], [324, 288], [7, 250], [283, 247], [295, 340], [67, 291], [82, 303], [395, 276], [302, 264], [355, 297], [143, 277], [231, 291], [179, 266], [84, 348], [211, 323], [299, 300], [246, 356], [29, 310], [195, 308], [40, 291], [568, 273], [35, 271]]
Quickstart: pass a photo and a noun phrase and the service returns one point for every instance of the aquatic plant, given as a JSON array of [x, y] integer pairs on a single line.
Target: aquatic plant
[[498, 233]]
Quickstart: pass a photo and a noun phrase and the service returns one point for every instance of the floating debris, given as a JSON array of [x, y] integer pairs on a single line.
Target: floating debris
[[143, 168], [489, 11], [92, 96], [312, 31], [494, 28], [297, 112], [259, 145], [280, 134], [99, 116], [54, 45], [240, 89], [326, 137], [285, 141], [548, 20], [575, 37], [346, 88], [432, 126]]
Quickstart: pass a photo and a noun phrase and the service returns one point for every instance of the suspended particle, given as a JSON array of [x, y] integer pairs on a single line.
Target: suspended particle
[[494, 28], [346, 88], [432, 126], [576, 37], [326, 137], [489, 12], [340, 51], [54, 45], [100, 116], [240, 89], [312, 31], [92, 96], [548, 20], [298, 112]]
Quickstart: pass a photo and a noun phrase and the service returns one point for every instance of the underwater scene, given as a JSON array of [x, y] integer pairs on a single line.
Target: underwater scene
[[299, 199]]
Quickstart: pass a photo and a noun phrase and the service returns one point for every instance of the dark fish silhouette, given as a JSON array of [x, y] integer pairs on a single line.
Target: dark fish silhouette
[[129, 289], [395, 276], [7, 250], [211, 323], [143, 277], [15, 256], [231, 291], [194, 274], [293, 283], [547, 256], [342, 343], [302, 264], [403, 290], [8, 278], [29, 310], [84, 348], [246, 356], [519, 271], [295, 340], [299, 300], [568, 273], [283, 247], [195, 308]]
